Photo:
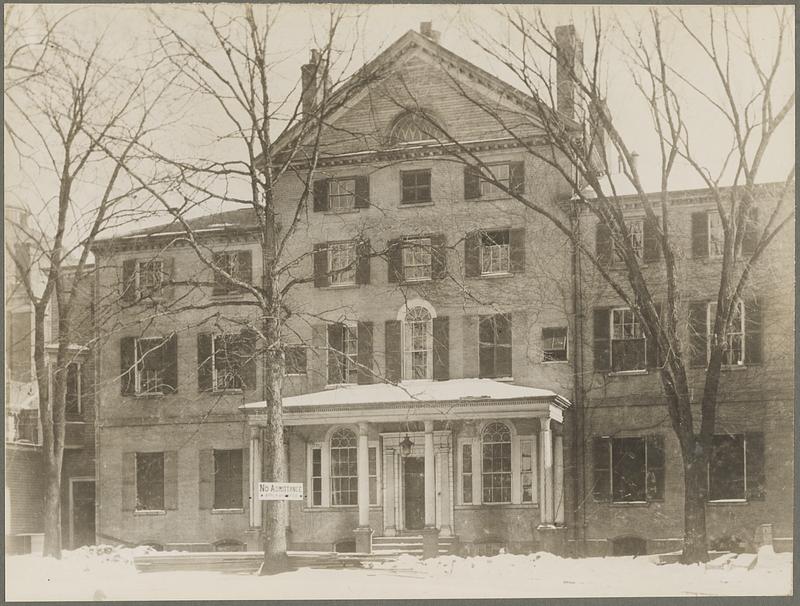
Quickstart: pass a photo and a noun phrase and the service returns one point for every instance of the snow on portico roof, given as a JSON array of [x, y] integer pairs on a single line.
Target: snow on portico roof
[[413, 391]]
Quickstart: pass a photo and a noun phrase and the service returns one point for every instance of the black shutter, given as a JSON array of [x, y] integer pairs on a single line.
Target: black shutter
[[750, 235], [472, 182], [651, 244], [365, 375], [321, 278], [602, 244], [247, 353], [394, 256], [206, 484], [472, 255], [516, 172], [503, 347], [321, 195], [754, 456], [516, 238], [752, 332], [363, 251], [486, 347], [168, 279], [441, 348], [128, 481], [127, 356], [653, 355], [129, 280], [335, 346], [171, 479], [245, 260], [698, 338], [601, 480], [205, 364], [362, 192], [438, 257], [394, 357], [655, 467], [700, 235], [169, 359], [602, 339]]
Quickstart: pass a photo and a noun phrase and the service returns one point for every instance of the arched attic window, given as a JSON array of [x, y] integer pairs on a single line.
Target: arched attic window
[[412, 127]]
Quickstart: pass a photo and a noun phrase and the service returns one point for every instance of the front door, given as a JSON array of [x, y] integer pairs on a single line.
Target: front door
[[82, 513], [414, 489]]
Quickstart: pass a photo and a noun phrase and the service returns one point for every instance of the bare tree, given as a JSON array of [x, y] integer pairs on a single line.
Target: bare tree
[[565, 123]]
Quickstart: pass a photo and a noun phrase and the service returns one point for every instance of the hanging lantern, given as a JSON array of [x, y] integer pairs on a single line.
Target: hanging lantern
[[405, 446]]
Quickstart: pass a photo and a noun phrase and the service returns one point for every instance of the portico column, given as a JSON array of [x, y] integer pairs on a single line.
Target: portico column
[[546, 439], [363, 476], [430, 477], [255, 476]]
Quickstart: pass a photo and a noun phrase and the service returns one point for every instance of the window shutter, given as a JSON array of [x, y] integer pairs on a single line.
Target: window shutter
[[127, 374], [169, 359], [516, 238], [245, 260], [655, 467], [335, 346], [248, 352], [750, 235], [470, 351], [752, 332], [601, 480], [602, 339], [87, 384], [362, 269], [394, 255], [441, 348], [317, 370], [700, 235], [394, 357], [651, 245], [698, 338], [365, 375], [362, 192], [653, 355], [603, 246], [472, 255], [220, 260], [321, 195], [754, 456], [438, 257], [486, 347], [168, 286], [128, 481], [505, 346], [321, 278], [472, 182], [516, 181], [171, 479], [204, 362], [129, 280], [206, 496]]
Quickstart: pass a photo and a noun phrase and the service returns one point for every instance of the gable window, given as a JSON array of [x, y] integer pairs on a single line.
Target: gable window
[[733, 343], [296, 359], [495, 252], [73, 404], [496, 472], [628, 351], [417, 344], [228, 479], [342, 354], [344, 468], [417, 259], [230, 354], [342, 263], [149, 275], [554, 344], [716, 236], [416, 186], [629, 469], [149, 481], [635, 237], [736, 467], [494, 346], [342, 194], [412, 127]]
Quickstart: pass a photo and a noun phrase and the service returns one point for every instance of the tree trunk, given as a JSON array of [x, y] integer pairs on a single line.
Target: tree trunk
[[695, 548], [52, 505]]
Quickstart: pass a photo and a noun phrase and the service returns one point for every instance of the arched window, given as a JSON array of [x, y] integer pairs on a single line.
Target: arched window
[[418, 344], [344, 468], [412, 126], [496, 472]]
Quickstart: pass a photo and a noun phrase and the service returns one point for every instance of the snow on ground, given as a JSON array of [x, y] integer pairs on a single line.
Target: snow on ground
[[99, 573]]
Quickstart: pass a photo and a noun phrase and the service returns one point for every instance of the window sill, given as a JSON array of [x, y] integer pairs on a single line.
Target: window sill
[[718, 502], [471, 507], [341, 286], [227, 295], [503, 274], [227, 392], [296, 374], [226, 511], [555, 361], [336, 508], [150, 512], [732, 367], [416, 280], [629, 504], [148, 396], [344, 211], [416, 204], [628, 373]]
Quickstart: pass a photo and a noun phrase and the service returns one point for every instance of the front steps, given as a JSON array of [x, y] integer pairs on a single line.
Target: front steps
[[410, 544]]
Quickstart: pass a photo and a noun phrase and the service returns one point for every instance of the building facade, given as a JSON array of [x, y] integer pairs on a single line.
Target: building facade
[[451, 369]]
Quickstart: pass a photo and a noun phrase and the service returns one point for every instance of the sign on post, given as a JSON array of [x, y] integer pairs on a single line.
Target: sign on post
[[280, 491]]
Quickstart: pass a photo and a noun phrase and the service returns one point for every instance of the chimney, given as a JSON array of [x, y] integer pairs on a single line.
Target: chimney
[[634, 161], [569, 57], [426, 29], [311, 75]]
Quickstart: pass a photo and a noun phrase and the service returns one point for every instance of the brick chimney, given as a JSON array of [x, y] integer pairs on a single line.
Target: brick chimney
[[311, 75], [569, 55], [426, 29]]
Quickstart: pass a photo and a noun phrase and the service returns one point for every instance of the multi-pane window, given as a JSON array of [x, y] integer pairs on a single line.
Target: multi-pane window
[[635, 237], [342, 263], [149, 481], [554, 344], [418, 344], [228, 479], [72, 398], [344, 468], [628, 349], [499, 174], [526, 470], [736, 467], [495, 252], [494, 346], [629, 469], [716, 236], [496, 457], [416, 186], [149, 365], [237, 264], [296, 359], [149, 275], [342, 194], [316, 476], [342, 359], [734, 339], [417, 259], [230, 356], [466, 473], [373, 475]]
